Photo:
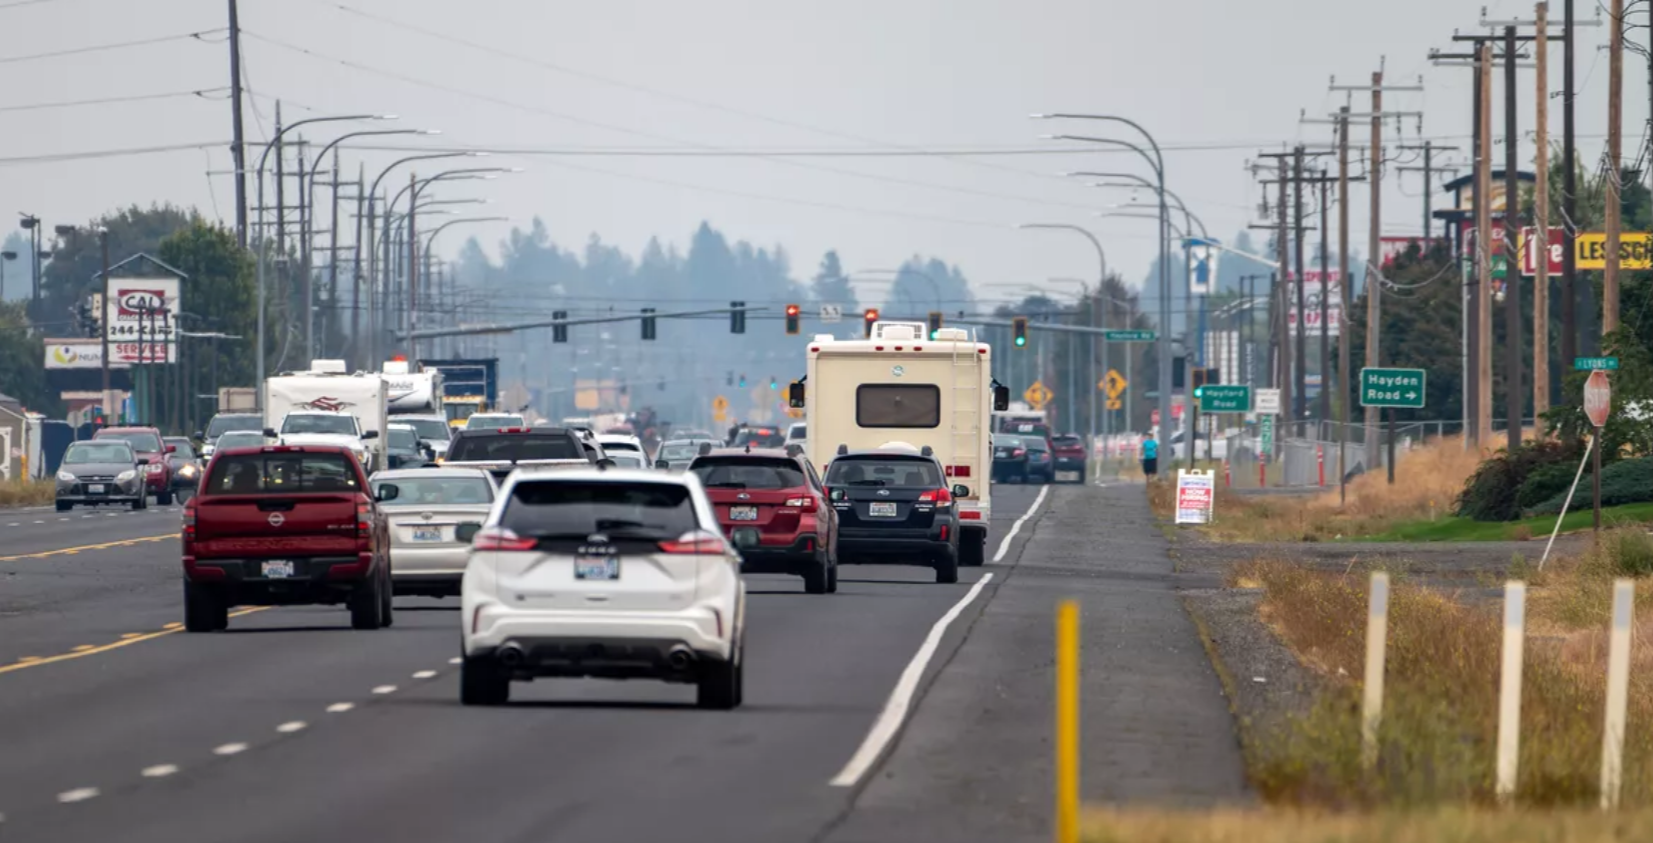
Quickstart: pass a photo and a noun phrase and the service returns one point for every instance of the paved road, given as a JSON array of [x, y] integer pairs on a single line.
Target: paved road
[[115, 726]]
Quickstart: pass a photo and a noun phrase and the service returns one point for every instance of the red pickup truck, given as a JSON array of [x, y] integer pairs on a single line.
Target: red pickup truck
[[281, 526]]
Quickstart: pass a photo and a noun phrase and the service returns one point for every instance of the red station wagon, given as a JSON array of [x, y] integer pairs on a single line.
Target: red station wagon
[[771, 505]]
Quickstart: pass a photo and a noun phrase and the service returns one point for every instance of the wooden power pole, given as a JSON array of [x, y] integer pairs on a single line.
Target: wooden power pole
[[1483, 247], [1374, 252], [1615, 152], [1541, 226]]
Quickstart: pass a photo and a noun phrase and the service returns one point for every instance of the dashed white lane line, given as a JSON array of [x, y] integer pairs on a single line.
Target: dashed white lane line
[[385, 689], [159, 771], [39, 522], [456, 660], [79, 794], [424, 674], [291, 726], [340, 708], [62, 519], [1004, 544], [230, 749]]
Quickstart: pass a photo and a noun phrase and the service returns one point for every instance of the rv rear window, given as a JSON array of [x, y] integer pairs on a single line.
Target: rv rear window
[[898, 405]]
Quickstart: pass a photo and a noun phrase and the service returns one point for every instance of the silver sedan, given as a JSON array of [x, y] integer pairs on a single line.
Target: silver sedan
[[433, 516]]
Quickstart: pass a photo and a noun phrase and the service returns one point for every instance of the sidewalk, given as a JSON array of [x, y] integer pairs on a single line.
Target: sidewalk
[[975, 762]]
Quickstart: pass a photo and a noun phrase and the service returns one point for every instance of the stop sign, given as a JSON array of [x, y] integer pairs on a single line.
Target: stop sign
[[1598, 397]]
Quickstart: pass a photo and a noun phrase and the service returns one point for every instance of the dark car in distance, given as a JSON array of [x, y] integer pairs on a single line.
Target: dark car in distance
[[96, 473], [1009, 458], [284, 525], [184, 464], [894, 506], [1069, 450]]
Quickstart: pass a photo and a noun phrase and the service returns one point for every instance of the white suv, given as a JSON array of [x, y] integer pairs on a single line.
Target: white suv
[[615, 574]]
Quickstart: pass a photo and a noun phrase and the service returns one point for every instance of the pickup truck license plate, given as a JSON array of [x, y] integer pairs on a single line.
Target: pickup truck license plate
[[596, 567], [94, 489], [278, 569], [427, 534], [881, 509], [743, 513]]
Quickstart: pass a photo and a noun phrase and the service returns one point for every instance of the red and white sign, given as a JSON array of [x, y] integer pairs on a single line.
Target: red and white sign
[[1598, 397], [1196, 491], [1555, 244], [1314, 289], [141, 318], [1393, 247]]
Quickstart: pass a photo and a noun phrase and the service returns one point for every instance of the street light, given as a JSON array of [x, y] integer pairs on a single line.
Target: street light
[[263, 239], [430, 238], [1101, 279]]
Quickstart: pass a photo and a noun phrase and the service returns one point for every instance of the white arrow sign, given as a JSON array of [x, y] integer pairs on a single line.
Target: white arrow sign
[[831, 312]]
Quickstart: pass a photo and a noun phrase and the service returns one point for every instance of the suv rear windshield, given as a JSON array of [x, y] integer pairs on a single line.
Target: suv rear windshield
[[281, 473], [504, 447], [576, 509], [141, 441], [884, 471], [747, 473], [222, 424]]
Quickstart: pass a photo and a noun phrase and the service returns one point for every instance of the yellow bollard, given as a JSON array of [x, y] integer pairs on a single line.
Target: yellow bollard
[[1067, 722]]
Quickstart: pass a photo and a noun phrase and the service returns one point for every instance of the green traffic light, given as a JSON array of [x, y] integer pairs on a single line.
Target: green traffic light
[[1021, 341]]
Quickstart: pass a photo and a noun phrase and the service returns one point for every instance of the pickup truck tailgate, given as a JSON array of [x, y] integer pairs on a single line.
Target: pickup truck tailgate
[[314, 524]]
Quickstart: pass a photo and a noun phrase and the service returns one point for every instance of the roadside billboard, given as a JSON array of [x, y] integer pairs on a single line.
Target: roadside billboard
[[141, 318], [78, 353]]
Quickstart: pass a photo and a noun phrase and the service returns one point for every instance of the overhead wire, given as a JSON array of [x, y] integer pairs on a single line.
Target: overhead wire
[[117, 45], [40, 106]]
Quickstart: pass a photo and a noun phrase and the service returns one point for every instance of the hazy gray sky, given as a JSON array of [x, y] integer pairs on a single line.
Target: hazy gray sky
[[1216, 82]]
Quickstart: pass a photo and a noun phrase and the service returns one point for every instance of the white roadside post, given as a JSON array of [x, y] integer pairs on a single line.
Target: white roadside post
[[1509, 688], [1377, 636], [1618, 693]]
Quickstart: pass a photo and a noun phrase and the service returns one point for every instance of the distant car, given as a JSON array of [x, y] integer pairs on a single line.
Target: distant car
[[404, 448], [434, 514], [1069, 450], [1009, 458], [628, 459], [771, 505], [283, 525], [797, 433], [760, 437], [96, 473], [183, 463], [225, 423], [495, 420], [321, 427], [618, 443], [431, 429], [894, 505], [694, 434], [242, 439], [146, 443], [613, 574], [676, 454], [500, 451], [1041, 460]]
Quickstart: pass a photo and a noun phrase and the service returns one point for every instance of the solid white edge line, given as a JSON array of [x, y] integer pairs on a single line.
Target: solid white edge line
[[889, 721], [1004, 546]]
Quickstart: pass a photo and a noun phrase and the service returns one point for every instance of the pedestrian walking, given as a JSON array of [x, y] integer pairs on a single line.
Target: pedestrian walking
[[1150, 457]]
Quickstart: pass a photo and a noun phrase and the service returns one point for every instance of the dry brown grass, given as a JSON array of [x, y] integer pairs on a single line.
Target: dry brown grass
[[1443, 826], [27, 492], [1427, 482], [1440, 707]]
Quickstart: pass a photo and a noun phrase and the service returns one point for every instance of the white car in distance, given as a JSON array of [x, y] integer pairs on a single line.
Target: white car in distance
[[606, 573], [433, 517], [476, 420]]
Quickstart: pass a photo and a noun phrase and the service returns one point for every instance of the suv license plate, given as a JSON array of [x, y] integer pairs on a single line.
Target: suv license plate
[[596, 567], [881, 509], [278, 570], [427, 534], [743, 513]]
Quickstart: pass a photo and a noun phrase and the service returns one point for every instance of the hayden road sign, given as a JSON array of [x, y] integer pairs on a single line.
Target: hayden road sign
[[1392, 388]]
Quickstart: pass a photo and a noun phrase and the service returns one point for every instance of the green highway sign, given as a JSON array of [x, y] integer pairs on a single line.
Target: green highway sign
[[1129, 336], [1225, 398], [1392, 388], [1596, 364]]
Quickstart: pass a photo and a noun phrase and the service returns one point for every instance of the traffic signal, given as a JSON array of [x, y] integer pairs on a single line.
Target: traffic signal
[[648, 323], [742, 380], [737, 317], [1179, 371], [559, 332], [1018, 332], [1199, 381], [868, 318], [935, 323], [729, 378], [792, 312], [772, 384]]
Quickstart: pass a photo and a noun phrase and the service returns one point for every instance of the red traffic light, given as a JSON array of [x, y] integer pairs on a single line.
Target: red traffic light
[[792, 310], [871, 315]]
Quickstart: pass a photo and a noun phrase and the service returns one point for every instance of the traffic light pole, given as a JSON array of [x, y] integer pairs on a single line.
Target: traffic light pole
[[103, 318], [511, 327]]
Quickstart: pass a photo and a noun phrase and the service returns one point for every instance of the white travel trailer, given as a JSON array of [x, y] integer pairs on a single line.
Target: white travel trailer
[[899, 386], [412, 393], [361, 395]]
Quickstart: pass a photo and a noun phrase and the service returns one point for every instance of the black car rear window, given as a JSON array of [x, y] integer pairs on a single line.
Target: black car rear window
[[899, 472], [498, 447], [576, 509], [747, 473], [281, 473]]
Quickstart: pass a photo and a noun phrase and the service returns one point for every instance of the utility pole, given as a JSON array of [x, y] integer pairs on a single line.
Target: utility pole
[[413, 270], [1615, 152], [1541, 223], [280, 193], [1483, 247], [1325, 309], [356, 270], [1513, 393], [1300, 342], [1374, 249], [1569, 191], [1429, 150], [238, 145], [332, 297], [1343, 284]]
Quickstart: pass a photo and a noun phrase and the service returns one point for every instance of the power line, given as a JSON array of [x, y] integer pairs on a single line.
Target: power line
[[118, 45], [108, 153], [40, 106]]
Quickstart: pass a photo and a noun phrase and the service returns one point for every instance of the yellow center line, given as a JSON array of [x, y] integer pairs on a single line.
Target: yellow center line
[[79, 653], [104, 546]]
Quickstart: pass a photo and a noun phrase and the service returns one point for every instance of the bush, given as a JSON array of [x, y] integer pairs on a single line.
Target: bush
[[1625, 481], [1492, 492], [1630, 551], [1545, 482]]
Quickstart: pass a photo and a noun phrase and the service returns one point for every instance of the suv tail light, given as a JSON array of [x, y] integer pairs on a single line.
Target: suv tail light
[[940, 497], [806, 503], [501, 538], [698, 543]]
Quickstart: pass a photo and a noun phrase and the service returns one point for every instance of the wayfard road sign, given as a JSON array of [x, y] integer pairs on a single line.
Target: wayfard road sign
[[1225, 398], [1129, 336], [1392, 388]]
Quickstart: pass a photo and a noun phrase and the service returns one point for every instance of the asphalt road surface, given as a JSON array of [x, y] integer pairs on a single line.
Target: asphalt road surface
[[116, 725]]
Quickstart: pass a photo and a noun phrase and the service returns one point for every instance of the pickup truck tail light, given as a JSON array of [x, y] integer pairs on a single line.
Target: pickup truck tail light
[[501, 538], [940, 497], [807, 503], [364, 521], [696, 543], [189, 521]]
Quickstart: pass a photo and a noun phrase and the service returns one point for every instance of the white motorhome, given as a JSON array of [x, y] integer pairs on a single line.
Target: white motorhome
[[415, 398], [898, 385], [328, 389]]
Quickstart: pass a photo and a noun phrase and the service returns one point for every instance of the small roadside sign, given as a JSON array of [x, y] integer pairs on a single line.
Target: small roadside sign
[[1402, 388], [1114, 384], [1266, 401], [1265, 436], [1225, 398], [1598, 397], [720, 409], [1037, 396], [1130, 336], [1595, 364], [1195, 493]]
